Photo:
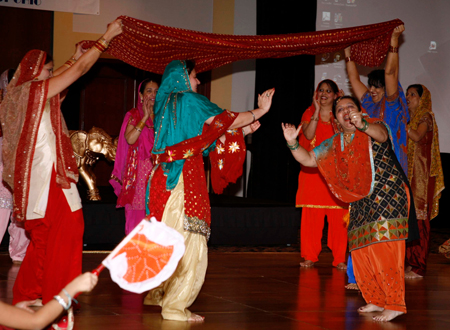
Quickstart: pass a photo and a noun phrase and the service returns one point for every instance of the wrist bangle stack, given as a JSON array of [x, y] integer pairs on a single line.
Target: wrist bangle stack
[[294, 147], [101, 45], [393, 49], [70, 297], [254, 118], [347, 59], [365, 127], [314, 118]]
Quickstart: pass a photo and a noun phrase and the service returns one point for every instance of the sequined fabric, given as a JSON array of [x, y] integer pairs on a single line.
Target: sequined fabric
[[424, 162], [383, 215], [151, 47], [20, 115]]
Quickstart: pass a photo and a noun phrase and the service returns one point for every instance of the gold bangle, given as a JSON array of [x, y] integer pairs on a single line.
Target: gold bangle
[[315, 118], [140, 125]]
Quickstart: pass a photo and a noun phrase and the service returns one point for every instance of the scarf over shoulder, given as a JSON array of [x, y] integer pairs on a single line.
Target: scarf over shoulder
[[436, 164], [20, 115]]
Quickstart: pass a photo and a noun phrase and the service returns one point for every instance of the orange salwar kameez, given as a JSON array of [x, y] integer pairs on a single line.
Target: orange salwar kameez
[[316, 201]]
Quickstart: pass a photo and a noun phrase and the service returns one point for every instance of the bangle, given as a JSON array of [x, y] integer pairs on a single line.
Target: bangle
[[70, 62], [70, 297], [101, 45], [294, 147], [393, 49], [314, 118], [140, 126], [365, 127], [61, 301], [347, 59], [137, 129], [243, 132], [254, 118]]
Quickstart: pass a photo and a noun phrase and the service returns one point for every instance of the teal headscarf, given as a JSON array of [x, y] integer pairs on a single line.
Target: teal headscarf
[[180, 114]]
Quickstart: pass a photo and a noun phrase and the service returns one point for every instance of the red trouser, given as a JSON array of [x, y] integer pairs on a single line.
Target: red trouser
[[417, 251], [313, 220], [54, 254], [380, 274]]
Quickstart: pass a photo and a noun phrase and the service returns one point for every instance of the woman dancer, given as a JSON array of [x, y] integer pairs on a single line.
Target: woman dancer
[[313, 195], [18, 240], [384, 99], [361, 168], [40, 167], [424, 174], [133, 158], [188, 126]]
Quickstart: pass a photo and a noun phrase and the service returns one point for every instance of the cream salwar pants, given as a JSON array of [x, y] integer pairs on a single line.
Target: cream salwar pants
[[179, 292]]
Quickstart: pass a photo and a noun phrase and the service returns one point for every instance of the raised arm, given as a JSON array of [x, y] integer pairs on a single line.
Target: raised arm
[[353, 75], [300, 154], [391, 70], [249, 117], [60, 82]]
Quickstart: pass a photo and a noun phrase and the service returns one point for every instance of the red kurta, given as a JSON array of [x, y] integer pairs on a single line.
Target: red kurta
[[313, 190]]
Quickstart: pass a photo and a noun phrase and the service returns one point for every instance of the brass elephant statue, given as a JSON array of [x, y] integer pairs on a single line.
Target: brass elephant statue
[[87, 148]]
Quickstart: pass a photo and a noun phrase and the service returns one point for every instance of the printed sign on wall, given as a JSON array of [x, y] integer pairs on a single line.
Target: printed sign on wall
[[72, 6]]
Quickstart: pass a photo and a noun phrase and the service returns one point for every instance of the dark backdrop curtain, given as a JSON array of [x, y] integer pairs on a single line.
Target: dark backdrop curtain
[[274, 172]]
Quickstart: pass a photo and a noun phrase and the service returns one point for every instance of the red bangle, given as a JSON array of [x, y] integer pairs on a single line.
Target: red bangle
[[393, 49], [347, 59]]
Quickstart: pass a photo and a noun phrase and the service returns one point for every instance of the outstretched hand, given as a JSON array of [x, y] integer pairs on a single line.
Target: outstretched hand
[[290, 132], [265, 99]]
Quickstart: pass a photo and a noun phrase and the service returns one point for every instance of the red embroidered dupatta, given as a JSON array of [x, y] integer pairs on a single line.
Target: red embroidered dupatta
[[20, 115], [348, 170]]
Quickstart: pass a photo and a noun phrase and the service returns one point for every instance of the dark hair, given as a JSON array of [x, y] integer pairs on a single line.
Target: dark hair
[[350, 97], [190, 65], [11, 74], [48, 59], [418, 88], [332, 85], [145, 82], [376, 79]]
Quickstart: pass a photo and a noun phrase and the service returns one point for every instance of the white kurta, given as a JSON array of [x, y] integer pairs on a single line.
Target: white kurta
[[41, 171]]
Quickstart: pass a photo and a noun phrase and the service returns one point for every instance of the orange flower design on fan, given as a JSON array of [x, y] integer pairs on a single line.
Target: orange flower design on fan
[[145, 258]]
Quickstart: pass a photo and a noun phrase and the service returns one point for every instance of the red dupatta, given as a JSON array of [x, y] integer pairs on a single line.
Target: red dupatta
[[151, 47], [348, 170], [20, 115]]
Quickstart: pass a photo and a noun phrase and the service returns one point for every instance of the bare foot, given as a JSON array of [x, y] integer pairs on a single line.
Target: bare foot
[[352, 286], [341, 266], [408, 269], [387, 315], [370, 308], [307, 263], [412, 275], [196, 318]]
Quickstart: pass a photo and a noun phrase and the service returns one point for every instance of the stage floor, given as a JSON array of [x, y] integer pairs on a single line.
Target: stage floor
[[260, 291]]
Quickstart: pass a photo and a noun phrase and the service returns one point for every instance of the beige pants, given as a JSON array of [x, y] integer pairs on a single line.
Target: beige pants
[[179, 292]]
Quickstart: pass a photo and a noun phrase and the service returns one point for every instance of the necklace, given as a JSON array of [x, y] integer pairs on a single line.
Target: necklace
[[348, 138]]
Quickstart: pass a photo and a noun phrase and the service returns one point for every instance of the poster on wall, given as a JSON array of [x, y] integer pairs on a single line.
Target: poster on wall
[[91, 7]]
